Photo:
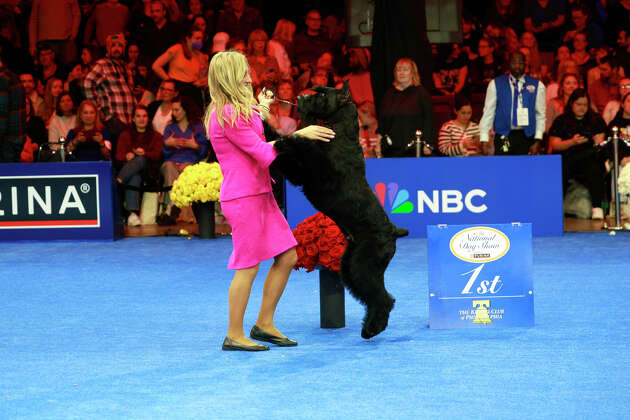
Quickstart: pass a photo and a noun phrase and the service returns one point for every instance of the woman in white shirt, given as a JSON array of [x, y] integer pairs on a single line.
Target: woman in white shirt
[[63, 120], [160, 110]]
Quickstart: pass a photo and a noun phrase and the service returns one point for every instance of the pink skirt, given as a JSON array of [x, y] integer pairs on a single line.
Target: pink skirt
[[259, 230]]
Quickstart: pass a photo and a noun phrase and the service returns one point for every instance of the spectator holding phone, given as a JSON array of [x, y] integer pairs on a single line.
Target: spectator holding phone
[[89, 140], [460, 136], [574, 135]]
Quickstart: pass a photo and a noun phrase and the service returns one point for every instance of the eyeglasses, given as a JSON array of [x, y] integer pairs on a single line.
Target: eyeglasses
[[624, 87]]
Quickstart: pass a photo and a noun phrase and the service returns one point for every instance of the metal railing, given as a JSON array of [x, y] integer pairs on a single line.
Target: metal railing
[[615, 139]]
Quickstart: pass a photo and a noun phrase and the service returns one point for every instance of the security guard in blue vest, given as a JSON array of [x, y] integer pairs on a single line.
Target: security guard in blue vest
[[515, 108]]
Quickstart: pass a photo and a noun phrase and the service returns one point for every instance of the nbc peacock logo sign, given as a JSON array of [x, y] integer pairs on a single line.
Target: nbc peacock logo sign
[[397, 198], [434, 201]]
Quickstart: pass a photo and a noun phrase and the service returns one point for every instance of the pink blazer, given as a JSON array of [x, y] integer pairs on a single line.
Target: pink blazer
[[243, 154]]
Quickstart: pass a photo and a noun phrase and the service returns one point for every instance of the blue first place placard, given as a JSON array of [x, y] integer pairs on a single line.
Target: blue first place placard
[[480, 276]]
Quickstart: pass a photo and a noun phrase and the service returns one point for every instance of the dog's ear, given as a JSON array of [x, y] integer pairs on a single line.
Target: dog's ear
[[345, 92]]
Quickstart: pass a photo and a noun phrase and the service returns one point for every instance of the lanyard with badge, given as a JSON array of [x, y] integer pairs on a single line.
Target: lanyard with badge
[[522, 113]]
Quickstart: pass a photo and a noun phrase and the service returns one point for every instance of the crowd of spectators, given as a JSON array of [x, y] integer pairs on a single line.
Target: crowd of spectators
[[127, 80]]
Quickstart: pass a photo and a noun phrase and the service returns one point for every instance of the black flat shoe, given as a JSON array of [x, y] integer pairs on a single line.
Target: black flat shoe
[[258, 334], [231, 345]]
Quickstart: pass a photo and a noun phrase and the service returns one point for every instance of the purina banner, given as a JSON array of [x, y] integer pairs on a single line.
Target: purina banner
[[48, 201], [418, 192], [480, 276], [52, 201]]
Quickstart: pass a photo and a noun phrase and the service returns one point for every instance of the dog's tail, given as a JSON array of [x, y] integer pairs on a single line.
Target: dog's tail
[[400, 232]]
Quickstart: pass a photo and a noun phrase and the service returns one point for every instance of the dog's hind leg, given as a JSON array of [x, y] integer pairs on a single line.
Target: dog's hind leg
[[363, 269]]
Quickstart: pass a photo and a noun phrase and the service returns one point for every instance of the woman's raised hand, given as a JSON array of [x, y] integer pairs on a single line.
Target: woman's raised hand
[[316, 132], [266, 97]]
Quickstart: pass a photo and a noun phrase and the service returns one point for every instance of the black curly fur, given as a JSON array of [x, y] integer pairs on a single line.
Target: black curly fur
[[332, 176]]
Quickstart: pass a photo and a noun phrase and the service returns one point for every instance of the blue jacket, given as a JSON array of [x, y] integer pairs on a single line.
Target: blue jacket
[[503, 115]]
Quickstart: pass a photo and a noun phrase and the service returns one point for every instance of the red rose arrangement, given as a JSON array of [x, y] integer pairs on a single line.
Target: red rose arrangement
[[320, 243]]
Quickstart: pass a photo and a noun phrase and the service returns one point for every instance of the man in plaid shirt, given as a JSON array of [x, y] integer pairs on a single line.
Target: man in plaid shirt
[[12, 116], [107, 84]]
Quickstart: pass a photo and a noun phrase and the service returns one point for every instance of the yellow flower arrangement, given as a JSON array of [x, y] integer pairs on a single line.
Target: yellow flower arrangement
[[200, 182]]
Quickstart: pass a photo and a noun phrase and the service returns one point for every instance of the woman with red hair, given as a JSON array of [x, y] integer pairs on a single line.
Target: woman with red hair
[[406, 107]]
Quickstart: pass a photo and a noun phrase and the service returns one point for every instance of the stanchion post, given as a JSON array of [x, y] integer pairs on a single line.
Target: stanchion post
[[332, 311], [615, 175], [62, 148], [420, 144]]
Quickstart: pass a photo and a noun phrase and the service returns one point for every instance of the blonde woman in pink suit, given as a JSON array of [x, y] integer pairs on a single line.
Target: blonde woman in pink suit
[[259, 230]]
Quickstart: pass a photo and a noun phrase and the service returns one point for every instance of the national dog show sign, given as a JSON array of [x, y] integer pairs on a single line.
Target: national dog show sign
[[480, 276]]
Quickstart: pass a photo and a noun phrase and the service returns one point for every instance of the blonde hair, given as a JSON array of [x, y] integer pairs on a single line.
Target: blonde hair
[[535, 61], [225, 83], [285, 29], [256, 35], [49, 105], [415, 76]]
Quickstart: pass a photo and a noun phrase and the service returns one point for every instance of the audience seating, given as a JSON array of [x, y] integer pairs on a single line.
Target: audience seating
[[443, 108]]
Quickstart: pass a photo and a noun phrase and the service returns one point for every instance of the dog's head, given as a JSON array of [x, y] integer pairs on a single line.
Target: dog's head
[[325, 102]]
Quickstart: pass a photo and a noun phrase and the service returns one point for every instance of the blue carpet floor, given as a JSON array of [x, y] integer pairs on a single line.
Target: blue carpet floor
[[132, 329]]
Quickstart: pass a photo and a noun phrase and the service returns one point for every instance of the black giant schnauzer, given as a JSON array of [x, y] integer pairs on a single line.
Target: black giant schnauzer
[[332, 176]]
